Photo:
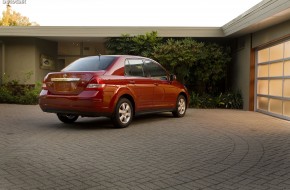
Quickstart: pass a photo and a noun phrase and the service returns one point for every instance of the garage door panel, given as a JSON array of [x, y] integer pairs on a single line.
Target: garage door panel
[[263, 55], [276, 52], [287, 50], [286, 108], [275, 106], [263, 103], [273, 80], [276, 69], [287, 68], [287, 88], [275, 88], [263, 87], [263, 70]]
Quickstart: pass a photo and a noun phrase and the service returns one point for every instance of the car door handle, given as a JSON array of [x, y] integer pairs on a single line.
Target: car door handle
[[132, 82], [156, 84]]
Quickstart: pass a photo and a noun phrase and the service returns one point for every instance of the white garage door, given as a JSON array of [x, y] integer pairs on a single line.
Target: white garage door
[[273, 80]]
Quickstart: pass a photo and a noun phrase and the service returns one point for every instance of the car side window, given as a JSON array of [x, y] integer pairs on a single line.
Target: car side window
[[134, 67], [154, 70]]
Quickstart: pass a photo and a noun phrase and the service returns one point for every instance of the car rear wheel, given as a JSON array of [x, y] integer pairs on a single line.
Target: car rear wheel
[[67, 118], [180, 107], [123, 114]]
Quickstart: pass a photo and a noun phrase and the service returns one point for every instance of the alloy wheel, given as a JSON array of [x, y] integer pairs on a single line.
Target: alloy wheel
[[181, 106], [125, 113]]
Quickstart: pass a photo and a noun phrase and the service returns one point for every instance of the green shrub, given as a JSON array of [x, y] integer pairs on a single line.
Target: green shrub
[[229, 100], [232, 100], [6, 95], [30, 94], [12, 92], [201, 101]]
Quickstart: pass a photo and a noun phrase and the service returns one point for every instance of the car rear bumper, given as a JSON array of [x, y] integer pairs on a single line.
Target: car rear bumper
[[88, 103]]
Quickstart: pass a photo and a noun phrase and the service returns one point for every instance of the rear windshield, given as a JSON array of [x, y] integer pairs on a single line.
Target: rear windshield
[[94, 63]]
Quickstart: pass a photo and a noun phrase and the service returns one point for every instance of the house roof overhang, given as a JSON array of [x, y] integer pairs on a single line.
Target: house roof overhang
[[91, 33], [263, 15]]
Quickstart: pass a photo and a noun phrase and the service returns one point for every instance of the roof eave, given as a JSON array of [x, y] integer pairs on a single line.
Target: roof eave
[[108, 31], [263, 15]]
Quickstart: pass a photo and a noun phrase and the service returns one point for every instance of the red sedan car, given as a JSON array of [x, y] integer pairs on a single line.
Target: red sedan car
[[115, 86]]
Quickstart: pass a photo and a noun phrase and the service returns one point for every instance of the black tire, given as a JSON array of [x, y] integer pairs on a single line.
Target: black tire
[[123, 113], [181, 107], [67, 118]]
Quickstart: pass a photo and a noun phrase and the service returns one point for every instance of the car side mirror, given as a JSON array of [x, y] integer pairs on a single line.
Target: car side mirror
[[172, 77]]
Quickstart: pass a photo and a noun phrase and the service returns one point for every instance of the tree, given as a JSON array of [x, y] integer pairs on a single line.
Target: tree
[[137, 45], [145, 44], [178, 56], [120, 45], [211, 67], [203, 66], [13, 18]]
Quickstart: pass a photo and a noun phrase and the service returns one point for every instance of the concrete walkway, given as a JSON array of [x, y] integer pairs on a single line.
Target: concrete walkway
[[207, 149]]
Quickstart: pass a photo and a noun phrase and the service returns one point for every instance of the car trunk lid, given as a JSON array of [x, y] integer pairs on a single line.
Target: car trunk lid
[[69, 83]]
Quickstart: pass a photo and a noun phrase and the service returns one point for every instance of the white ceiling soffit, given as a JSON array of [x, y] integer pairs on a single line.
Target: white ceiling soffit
[[56, 32], [265, 14]]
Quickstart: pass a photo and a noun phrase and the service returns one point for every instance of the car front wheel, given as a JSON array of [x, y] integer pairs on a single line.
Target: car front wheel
[[180, 107], [67, 118], [123, 114]]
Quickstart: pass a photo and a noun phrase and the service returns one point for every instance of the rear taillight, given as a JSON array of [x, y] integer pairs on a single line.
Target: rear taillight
[[92, 86], [44, 87], [95, 83]]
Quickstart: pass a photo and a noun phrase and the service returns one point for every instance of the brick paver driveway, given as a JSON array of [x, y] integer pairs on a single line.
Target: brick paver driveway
[[207, 149]]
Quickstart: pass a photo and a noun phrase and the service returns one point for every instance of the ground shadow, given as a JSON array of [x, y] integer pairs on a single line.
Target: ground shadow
[[104, 123]]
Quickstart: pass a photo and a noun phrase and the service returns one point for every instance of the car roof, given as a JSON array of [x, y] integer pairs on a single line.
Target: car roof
[[124, 56]]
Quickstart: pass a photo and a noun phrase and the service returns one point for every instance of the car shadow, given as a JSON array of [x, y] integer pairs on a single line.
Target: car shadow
[[149, 118], [94, 123], [104, 123]]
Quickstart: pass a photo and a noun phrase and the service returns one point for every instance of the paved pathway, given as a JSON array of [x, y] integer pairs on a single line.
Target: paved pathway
[[207, 149]]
